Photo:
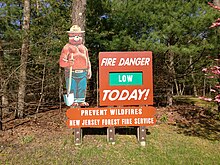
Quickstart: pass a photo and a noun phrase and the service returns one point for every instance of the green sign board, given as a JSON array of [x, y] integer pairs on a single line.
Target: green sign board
[[125, 78]]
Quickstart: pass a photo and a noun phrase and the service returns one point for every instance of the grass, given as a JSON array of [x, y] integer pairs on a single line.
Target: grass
[[164, 146], [195, 101], [27, 139]]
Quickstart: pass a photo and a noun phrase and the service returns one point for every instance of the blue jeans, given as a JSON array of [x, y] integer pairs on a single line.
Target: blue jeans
[[78, 86]]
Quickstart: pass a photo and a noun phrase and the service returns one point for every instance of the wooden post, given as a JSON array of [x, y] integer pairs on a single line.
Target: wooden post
[[141, 135], [77, 136], [111, 135]]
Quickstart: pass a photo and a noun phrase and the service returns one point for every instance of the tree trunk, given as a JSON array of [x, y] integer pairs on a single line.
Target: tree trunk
[[169, 95], [60, 88], [37, 7], [4, 109], [216, 2], [172, 78], [79, 14], [79, 18], [204, 87], [218, 63], [24, 57], [1, 87], [193, 78], [182, 88]]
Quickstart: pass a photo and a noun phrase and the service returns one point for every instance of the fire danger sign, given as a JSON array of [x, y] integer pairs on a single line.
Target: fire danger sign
[[125, 78]]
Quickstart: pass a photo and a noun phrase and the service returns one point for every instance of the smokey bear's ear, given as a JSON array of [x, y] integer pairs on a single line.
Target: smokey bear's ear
[[75, 29]]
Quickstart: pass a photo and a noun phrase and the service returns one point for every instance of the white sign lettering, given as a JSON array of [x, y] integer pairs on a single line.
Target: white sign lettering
[[134, 61], [125, 61], [74, 122], [125, 78], [108, 62], [136, 94]]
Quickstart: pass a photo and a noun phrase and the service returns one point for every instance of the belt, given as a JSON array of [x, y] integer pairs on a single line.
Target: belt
[[79, 71]]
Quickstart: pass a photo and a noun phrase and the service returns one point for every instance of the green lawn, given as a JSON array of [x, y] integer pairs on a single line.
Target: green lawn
[[164, 146]]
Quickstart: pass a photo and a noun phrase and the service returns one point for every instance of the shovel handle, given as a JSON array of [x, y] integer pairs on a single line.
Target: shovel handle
[[70, 76]]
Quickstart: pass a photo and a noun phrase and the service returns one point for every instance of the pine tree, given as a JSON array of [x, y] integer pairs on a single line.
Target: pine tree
[[173, 30]]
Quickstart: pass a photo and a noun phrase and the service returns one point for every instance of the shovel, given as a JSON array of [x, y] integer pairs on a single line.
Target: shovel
[[69, 97]]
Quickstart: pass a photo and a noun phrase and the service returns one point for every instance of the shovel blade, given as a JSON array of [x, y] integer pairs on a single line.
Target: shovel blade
[[69, 99]]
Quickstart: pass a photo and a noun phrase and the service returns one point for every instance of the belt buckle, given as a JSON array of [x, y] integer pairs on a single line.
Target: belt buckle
[[78, 71]]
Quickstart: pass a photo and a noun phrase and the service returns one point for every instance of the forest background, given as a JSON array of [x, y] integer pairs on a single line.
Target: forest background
[[177, 32]]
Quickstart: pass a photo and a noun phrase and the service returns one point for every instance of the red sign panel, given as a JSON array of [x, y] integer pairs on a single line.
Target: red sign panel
[[125, 78], [107, 117]]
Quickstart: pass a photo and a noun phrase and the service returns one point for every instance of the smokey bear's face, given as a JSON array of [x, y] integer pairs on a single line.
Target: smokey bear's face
[[75, 38]]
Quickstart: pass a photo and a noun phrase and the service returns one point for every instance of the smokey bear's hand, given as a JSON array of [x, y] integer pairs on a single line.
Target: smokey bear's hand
[[71, 60], [89, 75]]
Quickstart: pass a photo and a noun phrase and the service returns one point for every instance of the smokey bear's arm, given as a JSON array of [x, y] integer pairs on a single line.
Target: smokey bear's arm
[[88, 61], [89, 65], [64, 62]]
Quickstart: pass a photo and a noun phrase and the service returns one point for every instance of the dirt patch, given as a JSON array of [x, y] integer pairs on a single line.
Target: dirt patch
[[45, 124], [191, 120]]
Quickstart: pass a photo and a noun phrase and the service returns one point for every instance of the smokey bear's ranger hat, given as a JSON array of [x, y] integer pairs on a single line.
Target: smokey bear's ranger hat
[[75, 29]]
